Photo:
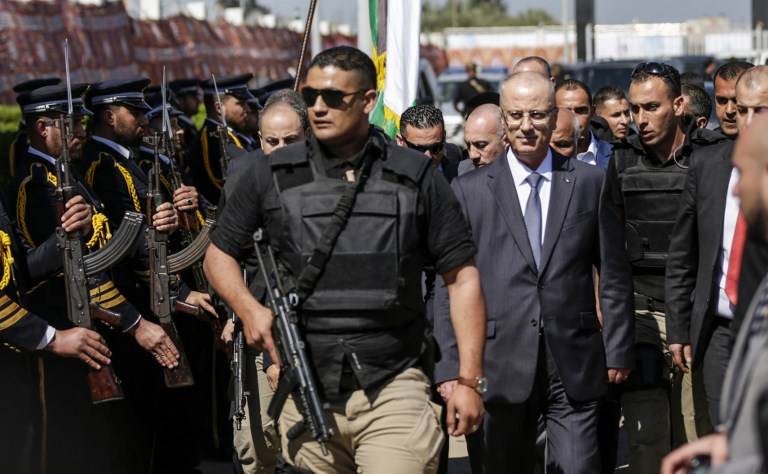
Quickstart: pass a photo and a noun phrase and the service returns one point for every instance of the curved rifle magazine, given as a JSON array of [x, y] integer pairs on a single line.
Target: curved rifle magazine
[[118, 246]]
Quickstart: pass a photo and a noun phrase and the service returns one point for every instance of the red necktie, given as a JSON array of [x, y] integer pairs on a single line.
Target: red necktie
[[734, 261]]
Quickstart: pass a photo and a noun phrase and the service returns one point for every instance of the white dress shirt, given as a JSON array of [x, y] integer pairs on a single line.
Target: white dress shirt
[[589, 156], [125, 152], [520, 172], [724, 306]]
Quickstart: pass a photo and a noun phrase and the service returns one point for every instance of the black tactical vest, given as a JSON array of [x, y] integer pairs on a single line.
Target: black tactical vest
[[651, 202], [372, 278]]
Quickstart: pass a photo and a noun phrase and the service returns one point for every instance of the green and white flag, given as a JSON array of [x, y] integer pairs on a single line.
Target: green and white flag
[[395, 27]]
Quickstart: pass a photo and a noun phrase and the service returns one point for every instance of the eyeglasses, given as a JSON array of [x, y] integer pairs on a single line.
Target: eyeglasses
[[538, 117], [432, 148], [657, 69], [333, 98]]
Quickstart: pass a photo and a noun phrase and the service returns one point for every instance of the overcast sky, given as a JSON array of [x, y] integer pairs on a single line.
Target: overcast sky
[[606, 11]]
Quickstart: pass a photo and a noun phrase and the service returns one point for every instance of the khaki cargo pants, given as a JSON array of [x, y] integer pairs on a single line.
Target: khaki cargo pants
[[257, 446], [396, 430], [658, 419]]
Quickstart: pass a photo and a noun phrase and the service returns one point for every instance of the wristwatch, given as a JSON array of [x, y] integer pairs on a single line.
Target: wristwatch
[[478, 384]]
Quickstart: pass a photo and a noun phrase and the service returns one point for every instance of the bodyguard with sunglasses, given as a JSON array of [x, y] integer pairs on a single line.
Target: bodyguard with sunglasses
[[422, 129], [644, 182], [363, 315]]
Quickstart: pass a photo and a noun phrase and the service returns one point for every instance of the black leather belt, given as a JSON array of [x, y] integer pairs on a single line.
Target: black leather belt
[[646, 303]]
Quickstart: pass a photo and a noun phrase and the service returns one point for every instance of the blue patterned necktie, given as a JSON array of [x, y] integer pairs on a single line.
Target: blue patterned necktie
[[533, 216]]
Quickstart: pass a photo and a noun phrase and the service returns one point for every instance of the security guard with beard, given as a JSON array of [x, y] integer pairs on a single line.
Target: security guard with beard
[[644, 181], [363, 324]]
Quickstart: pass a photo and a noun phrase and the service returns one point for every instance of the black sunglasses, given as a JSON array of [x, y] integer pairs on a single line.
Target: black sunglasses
[[432, 148], [333, 98], [656, 69]]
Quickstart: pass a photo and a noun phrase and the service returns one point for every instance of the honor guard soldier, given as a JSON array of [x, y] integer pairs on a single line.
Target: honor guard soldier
[[27, 339], [19, 143], [644, 182], [33, 192], [186, 98], [209, 154], [362, 317], [34, 195]]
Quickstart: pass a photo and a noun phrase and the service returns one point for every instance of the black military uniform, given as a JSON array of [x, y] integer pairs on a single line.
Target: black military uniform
[[19, 143], [179, 88], [21, 332], [68, 401], [205, 156]]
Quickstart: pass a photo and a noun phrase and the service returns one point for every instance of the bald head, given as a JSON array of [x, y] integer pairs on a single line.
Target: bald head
[[527, 104], [750, 156], [533, 64], [525, 83], [565, 138], [751, 95], [484, 134]]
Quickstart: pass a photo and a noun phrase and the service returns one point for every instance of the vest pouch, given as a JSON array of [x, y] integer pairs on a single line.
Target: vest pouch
[[363, 271]]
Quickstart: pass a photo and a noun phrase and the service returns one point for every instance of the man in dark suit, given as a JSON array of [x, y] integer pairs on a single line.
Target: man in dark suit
[[700, 298], [545, 351], [739, 444], [422, 129]]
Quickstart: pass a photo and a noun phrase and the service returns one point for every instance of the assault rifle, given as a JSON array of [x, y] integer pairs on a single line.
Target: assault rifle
[[237, 366], [223, 130], [163, 268], [188, 224], [79, 265], [296, 375]]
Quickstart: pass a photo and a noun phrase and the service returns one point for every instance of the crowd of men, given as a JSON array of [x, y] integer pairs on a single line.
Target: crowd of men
[[600, 257]]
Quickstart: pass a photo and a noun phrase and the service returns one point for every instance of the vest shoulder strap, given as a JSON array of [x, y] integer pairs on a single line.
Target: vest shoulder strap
[[290, 166], [405, 163]]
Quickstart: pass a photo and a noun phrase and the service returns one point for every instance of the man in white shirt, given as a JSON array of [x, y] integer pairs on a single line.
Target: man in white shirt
[[575, 96]]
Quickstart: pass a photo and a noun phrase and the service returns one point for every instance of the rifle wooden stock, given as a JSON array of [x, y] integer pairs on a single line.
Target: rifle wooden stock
[[102, 314], [181, 376], [182, 307], [104, 385]]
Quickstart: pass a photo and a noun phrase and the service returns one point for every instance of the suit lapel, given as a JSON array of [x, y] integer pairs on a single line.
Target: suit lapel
[[722, 176], [560, 194], [503, 189]]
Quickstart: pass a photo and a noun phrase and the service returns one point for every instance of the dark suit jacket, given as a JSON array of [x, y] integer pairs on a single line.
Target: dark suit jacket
[[692, 270], [577, 236], [691, 284]]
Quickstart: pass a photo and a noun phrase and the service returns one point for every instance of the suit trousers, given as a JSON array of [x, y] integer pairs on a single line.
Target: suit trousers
[[716, 356], [394, 428], [506, 440]]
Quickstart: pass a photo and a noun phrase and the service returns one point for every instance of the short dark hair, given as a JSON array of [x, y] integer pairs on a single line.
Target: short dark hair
[[606, 93], [668, 74], [574, 85], [732, 70], [693, 78], [699, 102], [348, 58], [421, 116]]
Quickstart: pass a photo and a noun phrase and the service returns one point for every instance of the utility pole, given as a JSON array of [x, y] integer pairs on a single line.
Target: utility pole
[[585, 15]]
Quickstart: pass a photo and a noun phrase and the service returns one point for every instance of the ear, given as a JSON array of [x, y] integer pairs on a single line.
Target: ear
[[400, 140], [701, 122], [369, 99], [678, 105], [110, 117], [40, 128]]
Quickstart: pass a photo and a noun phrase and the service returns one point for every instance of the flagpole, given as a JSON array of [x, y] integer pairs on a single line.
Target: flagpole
[[305, 42]]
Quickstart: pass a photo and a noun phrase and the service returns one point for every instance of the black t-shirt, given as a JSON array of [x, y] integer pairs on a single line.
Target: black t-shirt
[[372, 356]]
